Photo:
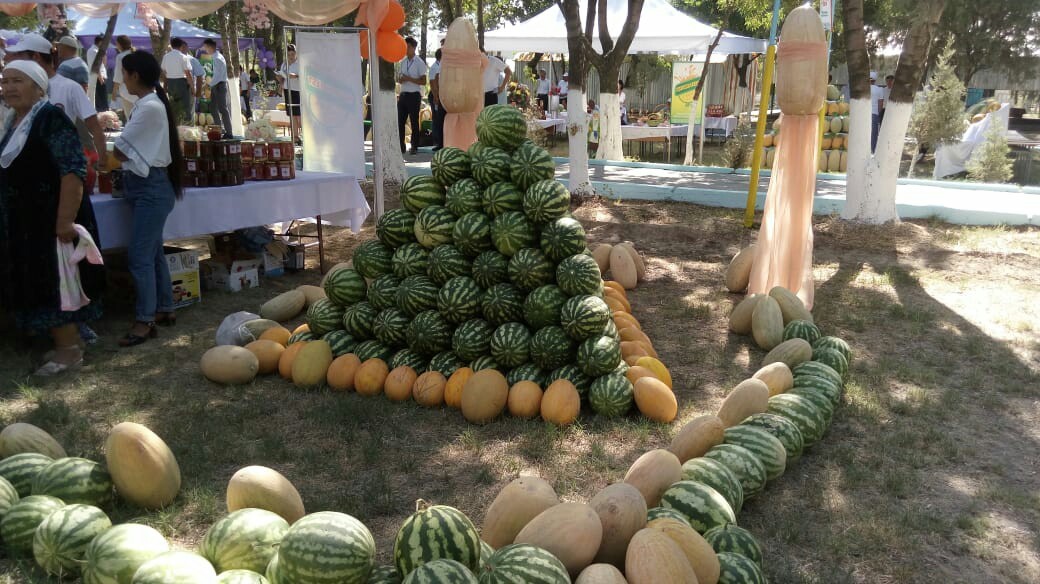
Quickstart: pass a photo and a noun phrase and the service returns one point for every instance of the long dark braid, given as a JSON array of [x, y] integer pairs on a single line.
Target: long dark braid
[[147, 68]]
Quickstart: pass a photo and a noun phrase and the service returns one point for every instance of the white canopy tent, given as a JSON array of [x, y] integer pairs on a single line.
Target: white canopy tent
[[662, 29]]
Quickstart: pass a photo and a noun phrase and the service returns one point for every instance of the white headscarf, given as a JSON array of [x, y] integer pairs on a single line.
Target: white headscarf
[[21, 133]]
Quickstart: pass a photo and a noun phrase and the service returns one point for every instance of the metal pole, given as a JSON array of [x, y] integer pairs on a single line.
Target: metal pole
[[760, 129], [377, 154], [828, 25]]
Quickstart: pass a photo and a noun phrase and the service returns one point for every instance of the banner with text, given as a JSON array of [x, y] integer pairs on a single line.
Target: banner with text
[[331, 99], [685, 76]]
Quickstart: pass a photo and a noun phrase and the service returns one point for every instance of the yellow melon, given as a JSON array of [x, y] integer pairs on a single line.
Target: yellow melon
[[561, 403], [267, 355], [652, 474], [429, 389], [229, 365], [655, 400], [142, 466], [525, 399], [453, 390], [399, 382], [370, 377], [278, 334], [311, 365], [660, 371], [285, 362], [613, 285], [484, 396], [516, 505], [260, 487], [570, 531], [622, 512], [342, 371]]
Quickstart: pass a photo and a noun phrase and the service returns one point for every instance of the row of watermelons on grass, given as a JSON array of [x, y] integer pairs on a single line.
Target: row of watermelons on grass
[[483, 267]]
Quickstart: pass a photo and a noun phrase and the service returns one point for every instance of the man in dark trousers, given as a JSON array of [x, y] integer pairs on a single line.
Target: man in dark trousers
[[412, 77], [435, 103], [219, 99]]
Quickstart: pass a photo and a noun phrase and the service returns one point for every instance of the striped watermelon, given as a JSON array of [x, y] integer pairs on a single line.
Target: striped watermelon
[[8, 496], [583, 317], [562, 238], [542, 306], [490, 268], [510, 344], [783, 430], [433, 226], [817, 369], [416, 294], [610, 330], [551, 348], [373, 258], [703, 506], [409, 358], [75, 480], [502, 197], [372, 349], [665, 513], [437, 532], [823, 386], [382, 292], [485, 553], [485, 362], [241, 577], [545, 201], [579, 275], [304, 336], [475, 149], [441, 572], [446, 362], [501, 126], [460, 300], [769, 450], [345, 286], [522, 563], [491, 165], [529, 269], [419, 192], [326, 548], [114, 556], [738, 569], [598, 355], [503, 303], [175, 568], [835, 343], [324, 316], [429, 333], [811, 422], [744, 464], [531, 164], [511, 231], [465, 196], [21, 469], [390, 327], [20, 522], [246, 539], [611, 395], [526, 372], [446, 262], [273, 573], [340, 342], [60, 541], [571, 373], [384, 574], [818, 398], [450, 165], [832, 358], [472, 234], [472, 339], [717, 476], [411, 259], [735, 540], [801, 329], [358, 320]]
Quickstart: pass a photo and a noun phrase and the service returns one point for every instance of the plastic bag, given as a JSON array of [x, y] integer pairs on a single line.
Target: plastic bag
[[230, 330]]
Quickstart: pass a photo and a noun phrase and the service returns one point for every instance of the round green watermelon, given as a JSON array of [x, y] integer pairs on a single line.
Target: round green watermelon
[[572, 373], [503, 303], [526, 372], [598, 355], [490, 268], [21, 469], [717, 476], [75, 480], [546, 201], [345, 286], [551, 348], [531, 164], [611, 395], [737, 540], [60, 541], [434, 226], [246, 539], [373, 258], [114, 556], [583, 317], [738, 569], [241, 577], [358, 320], [465, 196], [521, 562], [744, 464], [703, 506], [472, 234], [579, 275], [435, 533], [511, 231], [542, 306], [175, 567], [411, 259], [419, 192], [491, 165], [446, 362], [416, 294], [382, 292], [501, 126], [510, 344], [409, 358], [441, 572], [326, 548], [390, 327], [472, 339], [447, 262], [502, 197], [562, 238], [450, 165], [429, 333], [324, 316], [529, 269], [460, 299]]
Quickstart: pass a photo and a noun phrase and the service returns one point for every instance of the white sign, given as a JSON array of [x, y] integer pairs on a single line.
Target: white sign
[[827, 14], [331, 99]]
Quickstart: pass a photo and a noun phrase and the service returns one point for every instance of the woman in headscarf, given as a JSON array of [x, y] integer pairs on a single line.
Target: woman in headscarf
[[42, 169]]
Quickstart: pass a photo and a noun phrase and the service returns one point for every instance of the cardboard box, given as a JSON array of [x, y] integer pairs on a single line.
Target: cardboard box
[[270, 265], [297, 259], [184, 274], [233, 277]]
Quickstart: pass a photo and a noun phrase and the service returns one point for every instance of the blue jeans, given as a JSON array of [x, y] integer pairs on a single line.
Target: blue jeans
[[152, 199], [875, 128]]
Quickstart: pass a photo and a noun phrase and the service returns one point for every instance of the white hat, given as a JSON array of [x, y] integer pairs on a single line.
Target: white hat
[[32, 70], [564, 74], [873, 75], [70, 42], [31, 42]]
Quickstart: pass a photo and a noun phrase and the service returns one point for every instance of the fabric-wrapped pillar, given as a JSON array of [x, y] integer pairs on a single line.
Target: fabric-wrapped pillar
[[461, 83]]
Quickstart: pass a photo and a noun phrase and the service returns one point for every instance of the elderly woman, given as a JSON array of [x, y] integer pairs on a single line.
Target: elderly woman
[[41, 198]]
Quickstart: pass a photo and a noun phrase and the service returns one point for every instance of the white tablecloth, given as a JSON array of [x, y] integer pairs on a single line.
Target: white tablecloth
[[728, 123], [550, 123], [660, 133], [336, 197]]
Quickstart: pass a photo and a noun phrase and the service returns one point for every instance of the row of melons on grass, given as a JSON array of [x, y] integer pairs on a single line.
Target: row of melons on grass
[[622, 261], [646, 382]]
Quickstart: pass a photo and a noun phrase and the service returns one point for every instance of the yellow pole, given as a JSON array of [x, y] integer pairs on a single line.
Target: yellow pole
[[760, 132]]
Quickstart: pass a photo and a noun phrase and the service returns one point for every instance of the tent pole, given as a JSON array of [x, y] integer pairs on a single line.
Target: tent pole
[[377, 155], [760, 130]]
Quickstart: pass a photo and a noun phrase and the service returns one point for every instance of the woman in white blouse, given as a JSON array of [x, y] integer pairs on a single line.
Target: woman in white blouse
[[149, 152]]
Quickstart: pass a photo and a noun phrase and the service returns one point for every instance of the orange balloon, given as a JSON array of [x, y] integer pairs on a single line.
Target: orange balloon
[[394, 18], [391, 46], [364, 44], [23, 9]]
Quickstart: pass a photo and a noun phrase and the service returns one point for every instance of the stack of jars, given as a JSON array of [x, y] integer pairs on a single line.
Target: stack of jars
[[269, 160], [218, 163]]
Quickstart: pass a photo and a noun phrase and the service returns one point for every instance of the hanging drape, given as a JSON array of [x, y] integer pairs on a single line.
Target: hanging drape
[[185, 10], [312, 12]]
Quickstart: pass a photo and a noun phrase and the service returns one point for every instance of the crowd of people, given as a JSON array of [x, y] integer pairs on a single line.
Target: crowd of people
[[51, 148]]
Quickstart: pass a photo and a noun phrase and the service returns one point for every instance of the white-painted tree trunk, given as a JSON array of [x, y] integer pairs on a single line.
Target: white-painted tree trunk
[[688, 159], [578, 143], [870, 194], [609, 127], [385, 137]]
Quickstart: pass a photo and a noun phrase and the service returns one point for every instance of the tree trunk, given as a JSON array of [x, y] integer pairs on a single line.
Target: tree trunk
[[577, 122], [95, 67], [609, 66], [691, 129], [871, 177], [422, 34], [385, 134], [161, 39], [480, 23]]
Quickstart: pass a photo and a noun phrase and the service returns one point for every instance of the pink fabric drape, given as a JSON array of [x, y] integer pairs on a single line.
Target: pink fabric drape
[[185, 10], [312, 12], [783, 255], [460, 128]]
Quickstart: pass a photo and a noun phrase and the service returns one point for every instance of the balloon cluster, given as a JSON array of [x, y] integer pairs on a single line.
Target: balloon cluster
[[390, 45], [266, 59]]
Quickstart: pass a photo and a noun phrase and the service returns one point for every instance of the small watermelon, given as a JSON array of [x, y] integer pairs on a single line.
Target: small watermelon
[[703, 506], [60, 541], [737, 540], [114, 556], [326, 548], [437, 532], [246, 539]]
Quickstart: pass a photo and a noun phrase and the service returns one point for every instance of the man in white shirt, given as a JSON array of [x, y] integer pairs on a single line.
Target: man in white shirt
[[492, 85], [219, 100], [542, 91], [562, 88], [245, 87], [877, 96], [126, 100], [177, 80], [100, 90], [412, 77], [70, 65], [289, 76], [435, 103]]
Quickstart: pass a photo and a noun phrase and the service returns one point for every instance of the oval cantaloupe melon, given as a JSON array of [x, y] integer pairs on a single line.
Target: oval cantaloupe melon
[[602, 256], [260, 487], [777, 377], [285, 306], [525, 399], [601, 574], [748, 398], [698, 436], [484, 396], [429, 389], [399, 382], [570, 531], [740, 318], [142, 466], [622, 268], [637, 260], [739, 272], [653, 558], [655, 400], [229, 365], [652, 474], [697, 550], [311, 365], [312, 293], [622, 512], [790, 352], [791, 306], [340, 375], [20, 437], [514, 507], [267, 354], [767, 323]]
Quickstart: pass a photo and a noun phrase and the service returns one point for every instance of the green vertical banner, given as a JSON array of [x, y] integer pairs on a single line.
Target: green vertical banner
[[685, 77]]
